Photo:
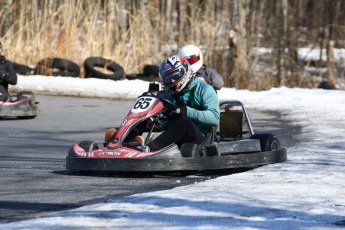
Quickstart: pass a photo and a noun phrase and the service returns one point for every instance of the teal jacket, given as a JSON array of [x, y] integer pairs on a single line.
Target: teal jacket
[[202, 104]]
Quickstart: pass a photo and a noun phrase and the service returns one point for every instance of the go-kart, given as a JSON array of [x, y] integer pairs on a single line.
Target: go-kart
[[232, 145], [20, 106]]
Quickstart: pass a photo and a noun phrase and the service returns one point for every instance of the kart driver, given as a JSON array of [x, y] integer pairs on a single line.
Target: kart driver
[[197, 106], [7, 76], [194, 56]]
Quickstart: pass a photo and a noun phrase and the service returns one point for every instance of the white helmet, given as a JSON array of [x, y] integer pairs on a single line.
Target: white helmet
[[193, 55]]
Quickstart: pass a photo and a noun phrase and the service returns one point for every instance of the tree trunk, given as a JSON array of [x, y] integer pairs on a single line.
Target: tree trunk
[[332, 80], [281, 40], [240, 75], [330, 44]]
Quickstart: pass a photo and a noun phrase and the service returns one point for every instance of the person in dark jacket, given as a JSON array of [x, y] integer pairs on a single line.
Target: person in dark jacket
[[7, 76], [197, 107], [195, 58]]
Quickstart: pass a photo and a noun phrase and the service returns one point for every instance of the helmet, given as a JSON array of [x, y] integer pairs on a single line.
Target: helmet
[[175, 73], [193, 55]]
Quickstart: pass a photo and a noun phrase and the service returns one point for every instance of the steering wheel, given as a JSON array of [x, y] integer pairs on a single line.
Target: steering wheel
[[168, 103]]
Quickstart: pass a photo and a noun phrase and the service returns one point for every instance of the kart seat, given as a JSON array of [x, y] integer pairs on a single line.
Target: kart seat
[[231, 124]]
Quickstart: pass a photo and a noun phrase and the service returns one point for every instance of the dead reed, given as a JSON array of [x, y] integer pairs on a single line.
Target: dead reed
[[135, 33]]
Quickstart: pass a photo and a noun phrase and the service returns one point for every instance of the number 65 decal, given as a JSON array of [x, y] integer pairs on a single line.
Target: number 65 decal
[[141, 104]]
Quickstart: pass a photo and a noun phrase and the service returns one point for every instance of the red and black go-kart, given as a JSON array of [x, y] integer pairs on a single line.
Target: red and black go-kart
[[232, 145], [20, 106]]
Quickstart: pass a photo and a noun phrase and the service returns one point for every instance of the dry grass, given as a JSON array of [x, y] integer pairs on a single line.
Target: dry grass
[[75, 30], [130, 32], [132, 36]]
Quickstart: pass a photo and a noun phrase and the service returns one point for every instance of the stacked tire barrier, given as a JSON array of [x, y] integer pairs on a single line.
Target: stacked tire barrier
[[94, 67], [98, 67], [22, 69], [150, 73], [57, 67]]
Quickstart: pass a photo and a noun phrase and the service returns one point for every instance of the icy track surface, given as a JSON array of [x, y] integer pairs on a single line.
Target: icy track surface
[[306, 192]]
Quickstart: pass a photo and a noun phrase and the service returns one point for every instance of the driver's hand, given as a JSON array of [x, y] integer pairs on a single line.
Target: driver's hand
[[3, 75], [163, 94], [179, 112]]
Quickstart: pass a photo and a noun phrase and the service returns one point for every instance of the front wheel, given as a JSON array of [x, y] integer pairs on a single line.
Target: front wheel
[[25, 94], [268, 141], [88, 146]]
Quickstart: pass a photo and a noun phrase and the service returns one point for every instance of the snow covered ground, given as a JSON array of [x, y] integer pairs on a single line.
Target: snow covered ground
[[306, 192]]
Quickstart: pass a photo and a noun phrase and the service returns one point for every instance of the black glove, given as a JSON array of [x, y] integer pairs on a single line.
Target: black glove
[[162, 94], [3, 74], [179, 112]]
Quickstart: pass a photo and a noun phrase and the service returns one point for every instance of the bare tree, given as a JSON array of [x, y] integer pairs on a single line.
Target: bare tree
[[241, 72], [281, 41], [136, 33], [331, 6]]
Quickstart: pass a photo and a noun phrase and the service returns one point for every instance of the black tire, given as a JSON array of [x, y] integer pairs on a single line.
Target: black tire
[[44, 67], [3, 93], [57, 67], [26, 94], [326, 85], [66, 67], [88, 146], [190, 150], [268, 141], [141, 77], [133, 76], [116, 71], [151, 71], [22, 69]]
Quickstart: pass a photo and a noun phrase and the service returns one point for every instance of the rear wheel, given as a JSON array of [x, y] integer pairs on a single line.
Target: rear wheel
[[268, 141], [190, 150]]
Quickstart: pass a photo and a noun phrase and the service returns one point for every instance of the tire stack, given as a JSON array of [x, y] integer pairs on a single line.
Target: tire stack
[[98, 67], [150, 73], [94, 67], [57, 67], [22, 69]]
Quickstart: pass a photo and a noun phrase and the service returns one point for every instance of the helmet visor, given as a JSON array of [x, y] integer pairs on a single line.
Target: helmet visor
[[173, 88], [173, 77], [193, 59]]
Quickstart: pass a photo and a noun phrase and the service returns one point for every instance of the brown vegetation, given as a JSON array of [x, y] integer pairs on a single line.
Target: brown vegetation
[[135, 33]]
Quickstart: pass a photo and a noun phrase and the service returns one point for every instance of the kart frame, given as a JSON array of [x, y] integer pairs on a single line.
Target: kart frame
[[232, 145], [21, 106]]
